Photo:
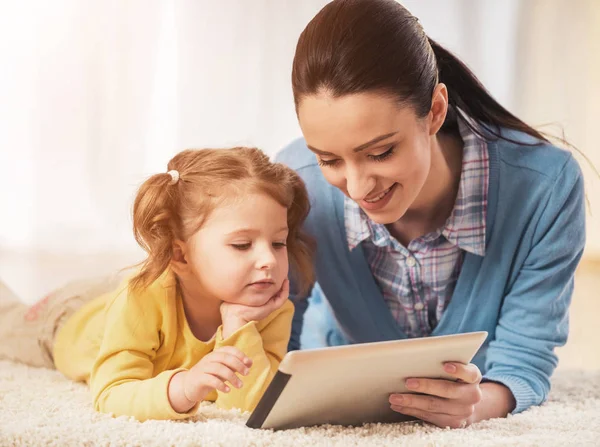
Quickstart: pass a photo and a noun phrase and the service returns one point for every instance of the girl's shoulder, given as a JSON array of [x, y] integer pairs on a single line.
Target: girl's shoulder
[[157, 298]]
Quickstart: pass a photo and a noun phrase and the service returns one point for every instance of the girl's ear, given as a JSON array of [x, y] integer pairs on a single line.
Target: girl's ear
[[179, 262]]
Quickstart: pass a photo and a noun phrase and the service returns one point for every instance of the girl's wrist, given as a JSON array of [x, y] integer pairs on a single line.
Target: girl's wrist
[[178, 399], [231, 324]]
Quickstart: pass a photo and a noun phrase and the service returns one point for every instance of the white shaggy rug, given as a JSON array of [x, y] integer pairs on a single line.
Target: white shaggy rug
[[40, 408]]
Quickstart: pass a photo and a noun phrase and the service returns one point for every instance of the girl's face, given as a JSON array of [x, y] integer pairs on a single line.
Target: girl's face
[[377, 153], [240, 255]]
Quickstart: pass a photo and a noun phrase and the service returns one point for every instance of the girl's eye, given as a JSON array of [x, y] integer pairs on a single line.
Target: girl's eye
[[383, 156], [327, 162], [241, 246], [279, 244]]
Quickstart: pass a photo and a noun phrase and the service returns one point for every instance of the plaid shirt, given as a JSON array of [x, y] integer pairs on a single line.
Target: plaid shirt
[[417, 281]]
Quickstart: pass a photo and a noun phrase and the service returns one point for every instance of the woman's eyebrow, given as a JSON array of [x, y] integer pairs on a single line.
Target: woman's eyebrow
[[362, 147]]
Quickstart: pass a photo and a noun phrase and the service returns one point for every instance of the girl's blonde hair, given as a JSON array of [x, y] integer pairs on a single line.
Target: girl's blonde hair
[[166, 210]]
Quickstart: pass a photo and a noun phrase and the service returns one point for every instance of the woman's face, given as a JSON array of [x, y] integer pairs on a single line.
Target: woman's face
[[374, 151]]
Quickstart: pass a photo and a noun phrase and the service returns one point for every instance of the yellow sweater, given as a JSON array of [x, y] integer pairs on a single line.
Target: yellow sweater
[[127, 346]]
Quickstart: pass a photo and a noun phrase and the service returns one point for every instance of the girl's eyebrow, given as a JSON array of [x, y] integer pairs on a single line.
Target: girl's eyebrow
[[246, 231]]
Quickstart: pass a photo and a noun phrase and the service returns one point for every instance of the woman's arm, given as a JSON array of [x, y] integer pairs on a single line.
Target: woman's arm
[[454, 404], [534, 316], [533, 321]]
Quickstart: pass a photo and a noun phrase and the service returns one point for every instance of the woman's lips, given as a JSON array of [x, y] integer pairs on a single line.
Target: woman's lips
[[380, 200]]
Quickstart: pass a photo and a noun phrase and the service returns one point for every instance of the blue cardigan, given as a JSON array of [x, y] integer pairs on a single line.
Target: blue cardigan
[[519, 292]]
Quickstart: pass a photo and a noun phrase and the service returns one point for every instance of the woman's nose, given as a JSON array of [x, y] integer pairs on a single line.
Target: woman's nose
[[358, 184]]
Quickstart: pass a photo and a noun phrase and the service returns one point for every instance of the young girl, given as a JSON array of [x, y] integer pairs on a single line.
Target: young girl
[[208, 307]]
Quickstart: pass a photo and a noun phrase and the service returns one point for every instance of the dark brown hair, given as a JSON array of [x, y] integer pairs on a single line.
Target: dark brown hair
[[164, 211], [356, 46]]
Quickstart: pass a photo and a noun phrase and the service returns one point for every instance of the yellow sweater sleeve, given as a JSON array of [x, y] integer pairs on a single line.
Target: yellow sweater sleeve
[[121, 380], [265, 342]]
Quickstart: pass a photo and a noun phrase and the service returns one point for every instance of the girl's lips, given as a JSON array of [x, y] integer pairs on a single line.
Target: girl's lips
[[261, 285]]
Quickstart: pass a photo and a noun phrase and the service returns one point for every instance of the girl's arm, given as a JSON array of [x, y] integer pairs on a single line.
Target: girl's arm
[[265, 343], [122, 381]]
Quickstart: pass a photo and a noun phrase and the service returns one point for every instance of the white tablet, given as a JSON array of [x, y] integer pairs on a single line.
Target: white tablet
[[351, 385]]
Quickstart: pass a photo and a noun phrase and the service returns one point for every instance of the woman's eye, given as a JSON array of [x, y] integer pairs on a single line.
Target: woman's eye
[[327, 162], [279, 244], [241, 246], [383, 156]]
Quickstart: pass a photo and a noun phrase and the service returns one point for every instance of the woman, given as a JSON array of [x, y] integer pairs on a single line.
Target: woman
[[435, 210]]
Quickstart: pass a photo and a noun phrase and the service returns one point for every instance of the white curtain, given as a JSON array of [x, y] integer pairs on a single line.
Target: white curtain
[[558, 84], [96, 95]]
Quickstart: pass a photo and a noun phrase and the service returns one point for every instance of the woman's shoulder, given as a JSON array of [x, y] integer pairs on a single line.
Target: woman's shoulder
[[297, 156], [531, 183], [521, 155]]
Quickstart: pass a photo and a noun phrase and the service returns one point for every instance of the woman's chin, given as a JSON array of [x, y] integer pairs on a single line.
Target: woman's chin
[[388, 216], [392, 212]]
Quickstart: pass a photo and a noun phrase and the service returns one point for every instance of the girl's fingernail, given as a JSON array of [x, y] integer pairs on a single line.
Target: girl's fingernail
[[449, 367], [413, 384], [227, 389]]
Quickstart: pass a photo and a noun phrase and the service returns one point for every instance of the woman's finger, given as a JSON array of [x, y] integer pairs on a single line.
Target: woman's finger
[[432, 404], [439, 419], [436, 387], [466, 373]]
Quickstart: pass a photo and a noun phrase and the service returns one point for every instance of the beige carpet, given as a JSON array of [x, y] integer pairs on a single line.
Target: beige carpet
[[40, 408]]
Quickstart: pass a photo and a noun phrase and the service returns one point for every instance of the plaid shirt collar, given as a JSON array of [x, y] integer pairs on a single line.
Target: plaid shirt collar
[[465, 228]]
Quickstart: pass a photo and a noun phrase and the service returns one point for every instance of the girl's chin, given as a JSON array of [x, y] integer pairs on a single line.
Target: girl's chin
[[254, 299]]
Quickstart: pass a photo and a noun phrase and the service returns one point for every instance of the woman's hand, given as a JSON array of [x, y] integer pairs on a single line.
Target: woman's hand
[[234, 316], [443, 402]]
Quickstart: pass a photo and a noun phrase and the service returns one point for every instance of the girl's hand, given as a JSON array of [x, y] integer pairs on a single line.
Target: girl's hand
[[442, 402], [234, 316], [189, 387]]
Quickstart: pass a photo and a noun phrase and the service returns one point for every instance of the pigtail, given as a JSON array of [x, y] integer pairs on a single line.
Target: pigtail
[[301, 246], [154, 219]]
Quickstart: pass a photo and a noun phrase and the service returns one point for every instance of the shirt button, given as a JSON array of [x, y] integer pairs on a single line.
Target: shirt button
[[419, 306], [411, 261]]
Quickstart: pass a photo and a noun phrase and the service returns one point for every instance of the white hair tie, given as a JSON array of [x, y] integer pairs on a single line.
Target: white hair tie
[[174, 176]]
